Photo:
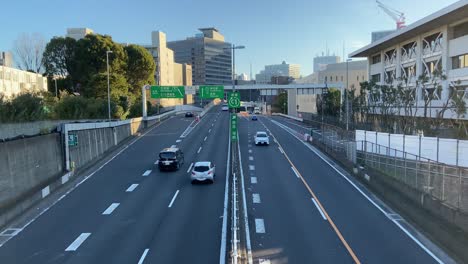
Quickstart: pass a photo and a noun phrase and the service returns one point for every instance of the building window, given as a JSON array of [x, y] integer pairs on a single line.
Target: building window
[[460, 30], [375, 78], [460, 61], [336, 78], [376, 59], [341, 78], [325, 78], [357, 78], [362, 79]]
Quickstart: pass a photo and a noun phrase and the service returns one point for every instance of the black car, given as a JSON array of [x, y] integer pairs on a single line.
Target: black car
[[170, 159], [188, 114]]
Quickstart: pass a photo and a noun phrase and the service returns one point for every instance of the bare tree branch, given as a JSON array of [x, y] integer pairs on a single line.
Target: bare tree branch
[[28, 50]]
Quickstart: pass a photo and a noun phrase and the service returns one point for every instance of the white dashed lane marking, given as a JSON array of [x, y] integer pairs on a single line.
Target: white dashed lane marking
[[78, 241], [253, 180], [173, 199], [250, 158], [110, 209], [251, 167], [143, 256], [320, 210], [256, 198], [190, 167], [199, 150], [259, 226], [132, 187], [146, 173]]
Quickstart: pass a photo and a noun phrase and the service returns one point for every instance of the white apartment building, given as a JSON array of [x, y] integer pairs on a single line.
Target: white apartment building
[[6, 59], [283, 69], [14, 82], [436, 42]]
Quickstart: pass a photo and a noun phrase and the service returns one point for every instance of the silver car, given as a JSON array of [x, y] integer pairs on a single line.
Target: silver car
[[203, 171]]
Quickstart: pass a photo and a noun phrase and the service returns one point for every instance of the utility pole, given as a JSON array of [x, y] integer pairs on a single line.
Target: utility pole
[[108, 86]]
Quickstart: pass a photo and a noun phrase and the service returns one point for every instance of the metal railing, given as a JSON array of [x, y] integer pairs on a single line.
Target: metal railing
[[446, 183]]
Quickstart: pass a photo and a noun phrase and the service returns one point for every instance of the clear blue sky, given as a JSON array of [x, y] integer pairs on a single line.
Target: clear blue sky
[[272, 31]]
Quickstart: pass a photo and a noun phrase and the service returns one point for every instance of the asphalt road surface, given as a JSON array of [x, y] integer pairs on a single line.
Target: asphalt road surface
[[300, 208]]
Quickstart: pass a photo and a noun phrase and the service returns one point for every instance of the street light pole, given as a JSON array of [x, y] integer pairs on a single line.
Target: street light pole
[[346, 94], [56, 91], [108, 86]]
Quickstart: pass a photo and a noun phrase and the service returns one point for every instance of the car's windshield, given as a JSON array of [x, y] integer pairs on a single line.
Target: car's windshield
[[261, 135], [167, 155], [201, 168]]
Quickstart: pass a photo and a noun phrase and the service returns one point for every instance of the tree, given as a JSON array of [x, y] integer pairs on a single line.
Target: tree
[[28, 50], [140, 67], [58, 56], [97, 88], [332, 102], [90, 58], [281, 102]]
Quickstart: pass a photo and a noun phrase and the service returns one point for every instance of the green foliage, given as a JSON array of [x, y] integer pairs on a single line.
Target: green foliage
[[24, 107], [59, 57], [332, 102], [78, 107], [90, 57], [282, 102], [140, 68], [137, 111]]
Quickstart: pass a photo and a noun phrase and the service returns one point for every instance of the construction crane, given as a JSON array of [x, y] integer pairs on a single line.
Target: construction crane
[[396, 15]]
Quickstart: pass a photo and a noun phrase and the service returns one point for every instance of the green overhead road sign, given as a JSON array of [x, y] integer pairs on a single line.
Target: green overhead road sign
[[234, 100], [167, 92], [211, 92], [233, 127]]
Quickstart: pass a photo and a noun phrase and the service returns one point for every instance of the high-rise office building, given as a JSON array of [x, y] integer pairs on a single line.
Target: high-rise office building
[[284, 69], [167, 71], [209, 55], [320, 62]]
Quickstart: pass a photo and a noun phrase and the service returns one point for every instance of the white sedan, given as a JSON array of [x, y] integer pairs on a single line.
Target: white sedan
[[262, 138], [203, 171]]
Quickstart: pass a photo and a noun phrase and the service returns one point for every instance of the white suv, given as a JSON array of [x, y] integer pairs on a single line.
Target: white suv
[[262, 138]]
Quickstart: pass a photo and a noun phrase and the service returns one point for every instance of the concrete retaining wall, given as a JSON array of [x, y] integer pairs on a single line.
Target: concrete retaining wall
[[28, 164]]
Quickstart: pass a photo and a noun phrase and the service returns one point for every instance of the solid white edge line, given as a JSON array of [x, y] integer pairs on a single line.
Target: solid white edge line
[[77, 242], [132, 187], [199, 150], [146, 173], [173, 198], [320, 210], [110, 209], [363, 194], [260, 226], [244, 204], [190, 167], [87, 177], [143, 256], [222, 251], [295, 172]]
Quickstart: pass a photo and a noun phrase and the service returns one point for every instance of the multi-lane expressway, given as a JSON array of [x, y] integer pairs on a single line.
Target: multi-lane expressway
[[299, 207]]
